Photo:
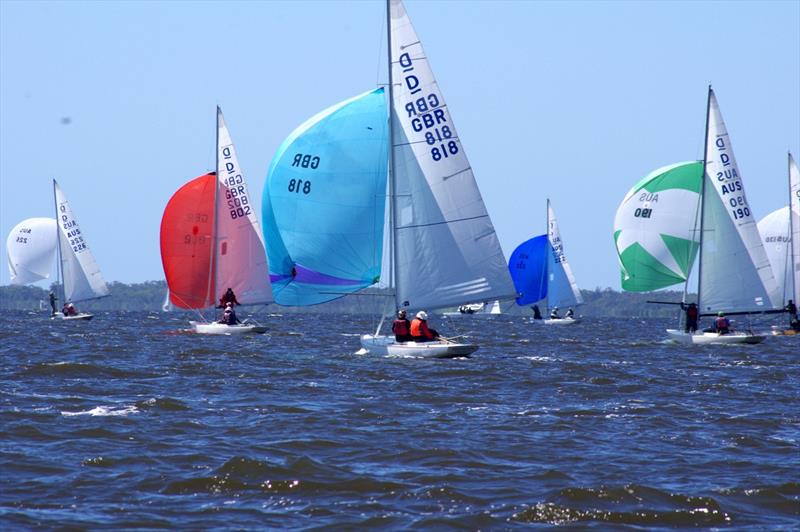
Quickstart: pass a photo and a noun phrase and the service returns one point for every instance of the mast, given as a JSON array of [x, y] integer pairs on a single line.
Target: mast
[[791, 231], [60, 269], [392, 183], [702, 202], [212, 274], [549, 249]]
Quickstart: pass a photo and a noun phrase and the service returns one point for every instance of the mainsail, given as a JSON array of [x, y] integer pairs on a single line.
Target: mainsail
[[562, 290], [446, 249], [240, 258], [734, 270], [794, 223], [654, 228], [31, 247], [81, 275], [324, 201]]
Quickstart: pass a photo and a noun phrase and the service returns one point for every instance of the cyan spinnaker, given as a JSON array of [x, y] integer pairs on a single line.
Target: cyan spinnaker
[[528, 267], [324, 202]]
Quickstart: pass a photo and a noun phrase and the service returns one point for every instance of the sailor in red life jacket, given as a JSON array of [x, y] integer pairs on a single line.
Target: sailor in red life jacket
[[419, 328], [228, 297], [722, 324], [401, 327]]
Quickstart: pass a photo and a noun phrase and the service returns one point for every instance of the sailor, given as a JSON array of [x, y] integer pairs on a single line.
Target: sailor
[[722, 324], [229, 316], [554, 314], [228, 297], [419, 328], [53, 303], [569, 313], [65, 309], [791, 308], [69, 310], [537, 314], [401, 327], [691, 317]]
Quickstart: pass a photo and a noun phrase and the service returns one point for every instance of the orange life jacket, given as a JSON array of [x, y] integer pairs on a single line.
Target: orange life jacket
[[419, 328]]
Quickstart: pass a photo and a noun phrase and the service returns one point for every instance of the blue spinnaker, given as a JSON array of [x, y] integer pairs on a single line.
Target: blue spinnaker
[[324, 202], [528, 267]]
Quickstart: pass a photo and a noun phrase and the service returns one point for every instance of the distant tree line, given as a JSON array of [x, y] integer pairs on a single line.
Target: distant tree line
[[149, 296]]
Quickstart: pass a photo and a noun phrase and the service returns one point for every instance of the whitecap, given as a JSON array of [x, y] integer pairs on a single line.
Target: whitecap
[[104, 411]]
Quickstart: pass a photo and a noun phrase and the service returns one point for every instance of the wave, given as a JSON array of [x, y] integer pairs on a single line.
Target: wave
[[101, 411]]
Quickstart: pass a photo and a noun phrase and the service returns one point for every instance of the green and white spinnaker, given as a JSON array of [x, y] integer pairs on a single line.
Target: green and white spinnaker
[[654, 228]]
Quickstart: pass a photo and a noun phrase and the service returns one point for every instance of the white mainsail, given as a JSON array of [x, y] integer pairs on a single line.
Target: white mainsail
[[240, 259], [81, 275], [31, 247], [735, 273], [794, 224], [447, 251], [562, 290]]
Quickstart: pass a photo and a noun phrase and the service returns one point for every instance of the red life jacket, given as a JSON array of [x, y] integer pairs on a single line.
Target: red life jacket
[[691, 313], [722, 323], [400, 327], [419, 328]]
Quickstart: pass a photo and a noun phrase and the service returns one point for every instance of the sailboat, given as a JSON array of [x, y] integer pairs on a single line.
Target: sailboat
[[77, 267], [734, 275], [779, 231], [444, 250], [210, 242], [485, 309], [542, 274]]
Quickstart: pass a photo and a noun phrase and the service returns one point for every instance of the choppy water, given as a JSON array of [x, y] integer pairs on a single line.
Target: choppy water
[[123, 423]]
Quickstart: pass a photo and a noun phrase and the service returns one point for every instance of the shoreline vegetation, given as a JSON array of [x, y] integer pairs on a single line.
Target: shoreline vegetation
[[149, 296]]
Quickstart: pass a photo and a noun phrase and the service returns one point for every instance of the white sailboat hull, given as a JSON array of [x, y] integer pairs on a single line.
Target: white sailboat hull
[[737, 337], [386, 345], [481, 315], [81, 316], [560, 321], [222, 328]]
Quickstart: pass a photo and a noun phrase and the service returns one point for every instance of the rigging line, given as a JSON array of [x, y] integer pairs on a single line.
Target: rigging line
[[399, 144], [444, 222]]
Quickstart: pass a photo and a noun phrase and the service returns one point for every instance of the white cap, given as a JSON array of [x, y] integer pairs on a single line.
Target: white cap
[[422, 315]]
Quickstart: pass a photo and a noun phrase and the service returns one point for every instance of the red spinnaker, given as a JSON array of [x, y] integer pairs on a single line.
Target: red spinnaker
[[186, 243]]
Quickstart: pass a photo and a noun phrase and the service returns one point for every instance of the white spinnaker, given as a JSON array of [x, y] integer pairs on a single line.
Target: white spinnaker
[[447, 249], [31, 247], [240, 260], [794, 194], [82, 277], [562, 290], [774, 231], [734, 270]]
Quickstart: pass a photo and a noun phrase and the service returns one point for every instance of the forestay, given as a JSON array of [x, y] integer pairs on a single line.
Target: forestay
[[240, 258], [31, 247], [562, 290], [81, 275], [324, 202], [447, 252], [654, 228], [734, 270]]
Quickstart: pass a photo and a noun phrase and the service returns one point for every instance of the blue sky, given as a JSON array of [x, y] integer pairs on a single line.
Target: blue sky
[[575, 101]]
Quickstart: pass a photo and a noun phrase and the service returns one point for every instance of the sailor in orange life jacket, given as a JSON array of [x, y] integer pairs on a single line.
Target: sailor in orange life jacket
[[419, 328], [401, 327], [722, 324]]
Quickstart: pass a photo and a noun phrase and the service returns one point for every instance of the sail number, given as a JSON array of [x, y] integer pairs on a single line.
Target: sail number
[[643, 213], [298, 185], [238, 204]]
